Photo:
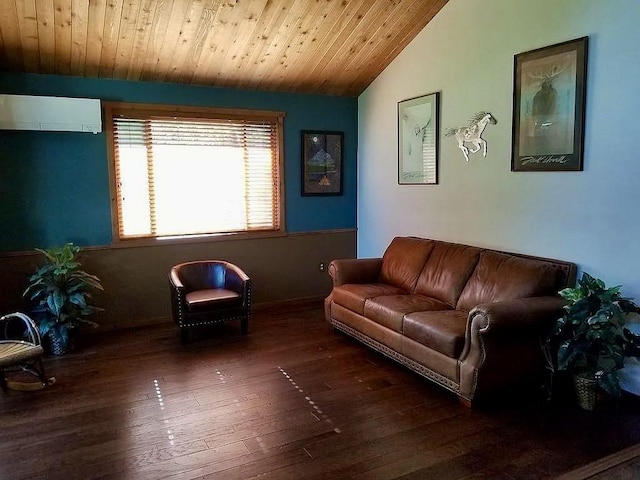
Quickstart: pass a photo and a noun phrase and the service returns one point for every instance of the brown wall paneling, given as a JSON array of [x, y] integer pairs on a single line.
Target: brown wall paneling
[[282, 269]]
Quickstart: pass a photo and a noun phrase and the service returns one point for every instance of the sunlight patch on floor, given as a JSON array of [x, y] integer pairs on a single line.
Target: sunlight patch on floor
[[317, 411]]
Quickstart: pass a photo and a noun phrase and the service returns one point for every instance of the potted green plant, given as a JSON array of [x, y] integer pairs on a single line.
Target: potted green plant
[[591, 338], [60, 291]]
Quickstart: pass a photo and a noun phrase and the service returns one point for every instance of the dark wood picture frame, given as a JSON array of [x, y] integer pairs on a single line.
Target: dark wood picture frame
[[419, 140], [549, 96], [322, 162]]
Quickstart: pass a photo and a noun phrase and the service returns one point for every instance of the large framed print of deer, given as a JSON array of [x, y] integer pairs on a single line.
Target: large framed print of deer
[[549, 91]]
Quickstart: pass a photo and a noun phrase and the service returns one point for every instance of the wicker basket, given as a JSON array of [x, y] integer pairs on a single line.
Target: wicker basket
[[56, 345], [586, 392]]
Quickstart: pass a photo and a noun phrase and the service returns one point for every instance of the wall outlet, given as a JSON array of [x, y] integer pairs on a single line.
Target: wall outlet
[[321, 267]]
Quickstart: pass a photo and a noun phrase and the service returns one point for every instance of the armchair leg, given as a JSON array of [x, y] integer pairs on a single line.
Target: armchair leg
[[184, 335], [40, 369], [244, 325]]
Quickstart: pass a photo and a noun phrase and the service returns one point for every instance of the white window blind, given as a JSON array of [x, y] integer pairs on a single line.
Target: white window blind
[[192, 176]]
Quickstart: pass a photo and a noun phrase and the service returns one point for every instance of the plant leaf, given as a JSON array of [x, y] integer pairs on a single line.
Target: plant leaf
[[609, 383]]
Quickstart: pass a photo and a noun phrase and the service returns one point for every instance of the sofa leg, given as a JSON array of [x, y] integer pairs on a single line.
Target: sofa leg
[[465, 402]]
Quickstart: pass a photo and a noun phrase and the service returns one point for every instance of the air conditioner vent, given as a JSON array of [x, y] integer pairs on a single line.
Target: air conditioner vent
[[61, 114]]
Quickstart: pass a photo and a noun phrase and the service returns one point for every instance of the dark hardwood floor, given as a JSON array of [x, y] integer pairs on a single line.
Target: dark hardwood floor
[[291, 400]]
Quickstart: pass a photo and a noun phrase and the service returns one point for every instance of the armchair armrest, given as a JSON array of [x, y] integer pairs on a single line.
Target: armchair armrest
[[234, 278], [355, 270], [175, 281], [503, 343], [178, 293]]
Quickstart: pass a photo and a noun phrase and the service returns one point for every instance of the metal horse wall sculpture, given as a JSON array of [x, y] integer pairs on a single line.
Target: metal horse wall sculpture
[[472, 133]]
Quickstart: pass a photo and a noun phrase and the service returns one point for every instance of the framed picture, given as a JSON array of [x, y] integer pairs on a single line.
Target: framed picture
[[322, 162], [418, 145], [549, 89]]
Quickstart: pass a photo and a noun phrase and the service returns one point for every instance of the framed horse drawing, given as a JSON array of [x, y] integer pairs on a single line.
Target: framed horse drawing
[[549, 91], [418, 146]]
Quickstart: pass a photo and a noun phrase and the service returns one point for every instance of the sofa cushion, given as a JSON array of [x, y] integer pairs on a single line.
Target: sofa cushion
[[446, 271], [500, 276], [388, 310], [403, 260], [443, 331], [353, 295]]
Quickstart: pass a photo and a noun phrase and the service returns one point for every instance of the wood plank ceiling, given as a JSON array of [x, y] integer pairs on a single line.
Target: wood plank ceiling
[[309, 46]]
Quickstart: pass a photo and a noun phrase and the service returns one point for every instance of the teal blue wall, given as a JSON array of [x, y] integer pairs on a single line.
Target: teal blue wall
[[54, 186]]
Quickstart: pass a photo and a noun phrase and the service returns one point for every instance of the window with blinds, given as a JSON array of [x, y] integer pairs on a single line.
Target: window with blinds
[[177, 174]]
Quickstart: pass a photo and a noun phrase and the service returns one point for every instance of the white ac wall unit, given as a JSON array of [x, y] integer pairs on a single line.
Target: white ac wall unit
[[61, 114]]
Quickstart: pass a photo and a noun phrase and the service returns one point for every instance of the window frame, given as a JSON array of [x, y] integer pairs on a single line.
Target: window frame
[[111, 109]]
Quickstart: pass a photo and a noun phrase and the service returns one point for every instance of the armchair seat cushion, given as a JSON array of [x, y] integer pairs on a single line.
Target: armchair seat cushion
[[204, 300], [442, 331]]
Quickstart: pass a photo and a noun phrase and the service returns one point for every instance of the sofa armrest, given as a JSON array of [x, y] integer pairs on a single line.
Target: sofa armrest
[[355, 270], [503, 343]]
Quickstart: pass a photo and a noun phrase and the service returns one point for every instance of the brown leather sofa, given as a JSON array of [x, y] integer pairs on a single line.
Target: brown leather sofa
[[467, 318]]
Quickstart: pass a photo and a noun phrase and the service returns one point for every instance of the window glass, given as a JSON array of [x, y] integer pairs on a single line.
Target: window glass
[[176, 175]]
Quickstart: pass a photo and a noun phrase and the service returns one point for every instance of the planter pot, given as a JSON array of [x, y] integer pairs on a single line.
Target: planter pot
[[56, 344], [586, 392]]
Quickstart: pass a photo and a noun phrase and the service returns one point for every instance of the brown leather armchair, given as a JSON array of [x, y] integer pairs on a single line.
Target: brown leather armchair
[[209, 292]]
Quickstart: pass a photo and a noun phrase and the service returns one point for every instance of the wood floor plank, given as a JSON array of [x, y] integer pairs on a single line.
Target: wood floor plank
[[292, 399]]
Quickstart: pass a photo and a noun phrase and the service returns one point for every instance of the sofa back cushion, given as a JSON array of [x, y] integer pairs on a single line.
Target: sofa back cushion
[[403, 260], [500, 276], [446, 271]]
